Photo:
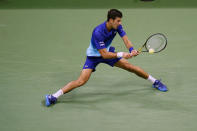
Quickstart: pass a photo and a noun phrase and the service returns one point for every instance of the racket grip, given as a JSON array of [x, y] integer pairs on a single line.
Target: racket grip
[[140, 49]]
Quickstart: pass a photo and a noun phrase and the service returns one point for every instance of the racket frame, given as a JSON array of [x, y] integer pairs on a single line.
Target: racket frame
[[144, 45]]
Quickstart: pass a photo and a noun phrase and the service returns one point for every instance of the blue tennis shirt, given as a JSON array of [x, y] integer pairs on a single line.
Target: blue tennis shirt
[[102, 38]]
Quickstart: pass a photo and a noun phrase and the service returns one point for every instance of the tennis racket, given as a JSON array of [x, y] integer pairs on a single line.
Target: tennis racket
[[154, 44]]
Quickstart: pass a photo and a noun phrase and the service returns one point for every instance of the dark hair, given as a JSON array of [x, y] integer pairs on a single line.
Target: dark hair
[[113, 13]]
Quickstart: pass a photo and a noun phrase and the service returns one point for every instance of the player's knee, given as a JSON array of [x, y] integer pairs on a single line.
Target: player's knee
[[135, 69], [129, 67], [132, 68], [81, 82]]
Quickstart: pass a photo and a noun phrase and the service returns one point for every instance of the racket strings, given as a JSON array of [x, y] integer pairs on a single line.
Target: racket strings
[[156, 42]]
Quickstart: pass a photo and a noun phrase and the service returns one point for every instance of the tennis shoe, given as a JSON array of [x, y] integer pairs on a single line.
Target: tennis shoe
[[49, 99], [160, 86]]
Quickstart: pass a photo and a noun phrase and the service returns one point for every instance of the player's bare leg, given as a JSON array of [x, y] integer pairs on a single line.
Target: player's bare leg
[[83, 78], [124, 64]]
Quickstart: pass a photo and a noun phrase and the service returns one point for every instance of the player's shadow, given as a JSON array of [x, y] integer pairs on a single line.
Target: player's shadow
[[102, 96], [97, 97], [145, 96], [113, 92]]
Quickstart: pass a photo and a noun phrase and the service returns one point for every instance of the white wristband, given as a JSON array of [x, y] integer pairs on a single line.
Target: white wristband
[[120, 54]]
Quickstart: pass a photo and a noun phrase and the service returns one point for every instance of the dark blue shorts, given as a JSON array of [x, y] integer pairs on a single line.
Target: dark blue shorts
[[92, 61]]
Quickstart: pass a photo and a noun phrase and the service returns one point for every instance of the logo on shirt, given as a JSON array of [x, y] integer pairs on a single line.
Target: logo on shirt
[[101, 43]]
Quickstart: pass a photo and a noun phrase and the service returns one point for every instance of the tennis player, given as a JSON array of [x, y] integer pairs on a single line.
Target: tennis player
[[101, 51]]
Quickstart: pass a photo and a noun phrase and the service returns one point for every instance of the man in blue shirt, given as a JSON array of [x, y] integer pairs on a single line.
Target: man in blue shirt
[[101, 51]]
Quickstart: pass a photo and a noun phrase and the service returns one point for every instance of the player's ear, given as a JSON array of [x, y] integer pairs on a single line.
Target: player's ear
[[110, 20]]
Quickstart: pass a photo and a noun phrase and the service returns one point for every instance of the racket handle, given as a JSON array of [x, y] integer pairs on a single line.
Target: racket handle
[[140, 49]]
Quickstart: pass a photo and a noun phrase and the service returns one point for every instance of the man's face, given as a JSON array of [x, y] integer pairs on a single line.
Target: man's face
[[115, 23]]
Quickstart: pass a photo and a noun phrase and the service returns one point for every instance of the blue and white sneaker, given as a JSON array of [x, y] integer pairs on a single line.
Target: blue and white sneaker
[[49, 99], [160, 86]]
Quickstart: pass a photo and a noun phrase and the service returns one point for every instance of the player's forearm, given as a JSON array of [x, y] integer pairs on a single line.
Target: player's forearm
[[128, 44], [109, 55]]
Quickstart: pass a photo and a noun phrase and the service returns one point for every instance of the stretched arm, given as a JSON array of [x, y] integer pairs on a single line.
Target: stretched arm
[[127, 42], [129, 45], [109, 55]]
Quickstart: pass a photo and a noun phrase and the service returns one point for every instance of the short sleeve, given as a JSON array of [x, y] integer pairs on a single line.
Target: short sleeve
[[120, 30], [98, 40]]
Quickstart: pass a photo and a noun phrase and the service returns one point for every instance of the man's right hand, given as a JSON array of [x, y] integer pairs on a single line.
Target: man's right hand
[[135, 52], [127, 55]]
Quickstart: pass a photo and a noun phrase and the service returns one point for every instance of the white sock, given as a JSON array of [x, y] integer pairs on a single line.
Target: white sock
[[58, 93], [151, 79]]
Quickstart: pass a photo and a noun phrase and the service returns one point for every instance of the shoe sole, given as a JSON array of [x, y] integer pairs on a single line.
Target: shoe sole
[[47, 103], [160, 90]]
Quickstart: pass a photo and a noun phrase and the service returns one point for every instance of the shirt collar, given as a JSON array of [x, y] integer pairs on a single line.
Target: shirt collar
[[105, 27]]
